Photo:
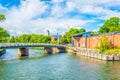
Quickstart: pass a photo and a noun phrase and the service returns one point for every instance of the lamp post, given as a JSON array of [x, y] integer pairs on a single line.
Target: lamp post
[[58, 37]]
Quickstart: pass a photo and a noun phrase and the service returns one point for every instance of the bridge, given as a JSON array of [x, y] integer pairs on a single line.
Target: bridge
[[23, 48]]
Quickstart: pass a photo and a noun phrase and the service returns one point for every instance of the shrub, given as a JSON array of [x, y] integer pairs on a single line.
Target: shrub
[[104, 44]]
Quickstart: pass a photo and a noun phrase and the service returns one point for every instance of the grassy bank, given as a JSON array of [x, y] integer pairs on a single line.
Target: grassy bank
[[112, 51]]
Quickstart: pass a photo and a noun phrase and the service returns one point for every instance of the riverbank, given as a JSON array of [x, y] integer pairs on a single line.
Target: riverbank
[[95, 54]]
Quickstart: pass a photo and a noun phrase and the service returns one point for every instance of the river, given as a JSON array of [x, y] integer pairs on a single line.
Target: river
[[55, 67]]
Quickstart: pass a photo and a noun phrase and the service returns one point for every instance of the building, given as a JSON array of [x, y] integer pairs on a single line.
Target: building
[[87, 40], [48, 33], [53, 38]]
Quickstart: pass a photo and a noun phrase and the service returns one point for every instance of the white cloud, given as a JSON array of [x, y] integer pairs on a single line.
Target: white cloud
[[2, 8], [20, 18], [57, 1], [58, 25], [25, 18]]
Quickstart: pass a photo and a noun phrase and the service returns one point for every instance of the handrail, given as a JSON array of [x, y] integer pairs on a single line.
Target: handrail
[[6, 45]]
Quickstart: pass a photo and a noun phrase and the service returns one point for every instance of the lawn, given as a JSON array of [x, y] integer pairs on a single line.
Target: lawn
[[112, 51]]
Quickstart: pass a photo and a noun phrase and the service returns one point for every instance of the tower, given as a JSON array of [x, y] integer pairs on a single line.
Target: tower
[[48, 33]]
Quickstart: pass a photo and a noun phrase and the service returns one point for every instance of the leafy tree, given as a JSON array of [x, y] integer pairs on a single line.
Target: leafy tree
[[12, 39], [24, 38], [3, 35], [111, 25], [30, 38], [81, 30], [2, 17], [72, 31], [63, 40], [104, 43]]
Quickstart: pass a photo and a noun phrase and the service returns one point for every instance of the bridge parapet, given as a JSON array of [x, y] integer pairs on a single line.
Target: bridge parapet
[[11, 45], [24, 51]]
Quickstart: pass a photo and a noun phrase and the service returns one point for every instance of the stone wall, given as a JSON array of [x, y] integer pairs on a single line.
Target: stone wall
[[95, 54], [54, 50]]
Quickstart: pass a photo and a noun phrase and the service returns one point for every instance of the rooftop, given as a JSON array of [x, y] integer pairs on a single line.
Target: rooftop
[[85, 34]]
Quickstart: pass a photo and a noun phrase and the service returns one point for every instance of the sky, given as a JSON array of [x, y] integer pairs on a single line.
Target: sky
[[57, 16]]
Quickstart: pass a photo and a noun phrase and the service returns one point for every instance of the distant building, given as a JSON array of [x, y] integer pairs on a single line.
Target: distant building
[[86, 40], [55, 37], [47, 33]]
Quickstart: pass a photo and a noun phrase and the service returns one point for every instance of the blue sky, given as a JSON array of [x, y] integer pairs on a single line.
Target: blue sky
[[57, 16]]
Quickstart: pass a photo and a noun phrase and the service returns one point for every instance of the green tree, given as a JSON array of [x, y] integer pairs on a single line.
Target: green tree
[[104, 43], [3, 35], [111, 25], [33, 38], [12, 39], [63, 40], [2, 17], [72, 31], [24, 38]]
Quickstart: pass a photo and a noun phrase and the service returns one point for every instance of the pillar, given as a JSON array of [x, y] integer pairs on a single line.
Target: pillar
[[23, 51], [61, 49], [54, 50], [48, 50], [3, 51]]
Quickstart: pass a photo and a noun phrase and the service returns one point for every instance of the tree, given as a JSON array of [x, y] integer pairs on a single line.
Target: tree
[[72, 31], [12, 39], [31, 38], [104, 43], [63, 40], [24, 38], [2, 17], [3, 34], [111, 25]]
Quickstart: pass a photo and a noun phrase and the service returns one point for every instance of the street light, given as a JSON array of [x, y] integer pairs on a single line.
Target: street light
[[58, 37]]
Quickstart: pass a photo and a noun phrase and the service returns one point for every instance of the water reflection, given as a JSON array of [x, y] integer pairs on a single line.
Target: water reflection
[[104, 70], [13, 53], [58, 67]]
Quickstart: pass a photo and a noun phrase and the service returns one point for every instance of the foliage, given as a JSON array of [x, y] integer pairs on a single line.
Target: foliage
[[111, 25], [113, 51], [104, 44], [68, 35], [54, 42], [12, 39], [3, 34], [93, 33], [63, 40], [30, 38], [2, 17]]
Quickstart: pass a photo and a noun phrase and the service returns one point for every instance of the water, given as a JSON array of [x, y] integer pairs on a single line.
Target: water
[[56, 67]]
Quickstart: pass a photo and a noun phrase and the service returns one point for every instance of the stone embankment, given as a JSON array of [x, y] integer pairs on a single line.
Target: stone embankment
[[95, 54]]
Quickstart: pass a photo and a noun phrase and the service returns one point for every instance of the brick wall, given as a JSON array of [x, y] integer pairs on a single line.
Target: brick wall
[[94, 41], [117, 40]]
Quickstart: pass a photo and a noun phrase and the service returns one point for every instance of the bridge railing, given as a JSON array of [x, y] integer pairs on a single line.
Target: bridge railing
[[26, 44]]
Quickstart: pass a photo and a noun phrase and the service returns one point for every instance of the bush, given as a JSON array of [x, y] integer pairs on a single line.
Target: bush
[[104, 44]]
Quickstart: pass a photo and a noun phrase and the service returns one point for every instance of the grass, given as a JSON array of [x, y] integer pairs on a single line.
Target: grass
[[112, 51]]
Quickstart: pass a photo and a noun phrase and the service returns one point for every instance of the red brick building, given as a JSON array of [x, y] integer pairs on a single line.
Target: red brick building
[[86, 40]]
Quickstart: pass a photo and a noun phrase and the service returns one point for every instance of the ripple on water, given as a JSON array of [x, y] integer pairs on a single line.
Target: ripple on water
[[58, 67]]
